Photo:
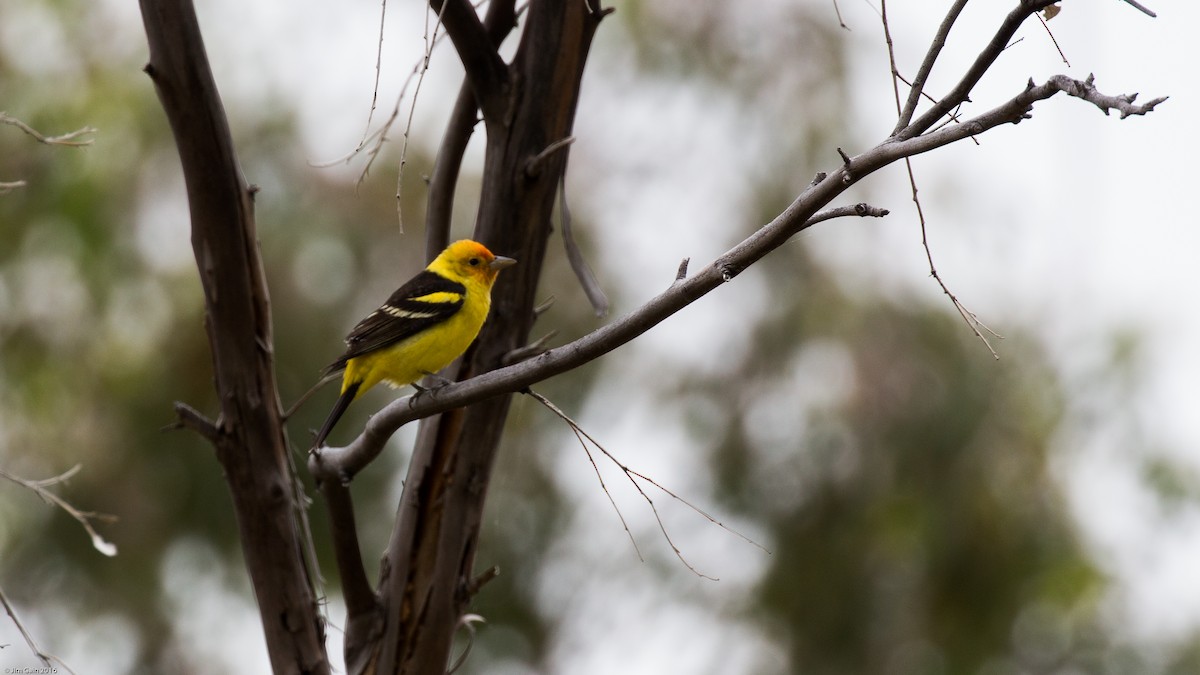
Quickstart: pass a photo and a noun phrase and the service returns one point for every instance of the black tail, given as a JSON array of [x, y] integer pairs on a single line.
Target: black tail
[[343, 402]]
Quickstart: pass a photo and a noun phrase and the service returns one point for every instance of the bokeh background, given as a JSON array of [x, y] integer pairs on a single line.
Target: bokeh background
[[927, 508]]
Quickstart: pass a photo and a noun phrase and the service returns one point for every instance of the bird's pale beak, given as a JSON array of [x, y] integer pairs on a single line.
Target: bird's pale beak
[[500, 262]]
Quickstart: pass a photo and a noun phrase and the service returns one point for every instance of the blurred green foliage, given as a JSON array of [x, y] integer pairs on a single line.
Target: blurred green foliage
[[899, 475]]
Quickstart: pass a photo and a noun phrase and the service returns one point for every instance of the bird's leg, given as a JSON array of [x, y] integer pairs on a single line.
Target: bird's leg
[[439, 383]]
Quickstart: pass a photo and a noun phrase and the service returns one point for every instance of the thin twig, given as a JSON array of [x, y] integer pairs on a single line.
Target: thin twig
[[528, 351], [544, 306], [954, 116], [983, 62], [378, 72], [972, 321], [935, 48], [600, 477], [376, 139], [1142, 8], [967, 315], [70, 139], [430, 43], [632, 475], [7, 187], [287, 415], [83, 517], [838, 12], [583, 272], [47, 659], [891, 50], [608, 494], [483, 578], [533, 166], [1052, 38]]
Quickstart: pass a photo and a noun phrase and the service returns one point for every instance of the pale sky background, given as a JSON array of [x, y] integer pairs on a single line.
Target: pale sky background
[[1073, 225]]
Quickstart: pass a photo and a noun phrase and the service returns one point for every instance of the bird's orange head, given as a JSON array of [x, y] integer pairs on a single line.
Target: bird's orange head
[[468, 259]]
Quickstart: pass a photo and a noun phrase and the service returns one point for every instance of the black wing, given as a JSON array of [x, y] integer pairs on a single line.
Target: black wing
[[403, 315]]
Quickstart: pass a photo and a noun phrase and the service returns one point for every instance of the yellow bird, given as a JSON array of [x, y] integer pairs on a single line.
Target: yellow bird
[[427, 323]]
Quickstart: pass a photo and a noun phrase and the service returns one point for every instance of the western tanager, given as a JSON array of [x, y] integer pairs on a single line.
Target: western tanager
[[427, 323]]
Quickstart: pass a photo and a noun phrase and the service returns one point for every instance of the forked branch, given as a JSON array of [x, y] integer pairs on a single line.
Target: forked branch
[[486, 71], [961, 91], [332, 463]]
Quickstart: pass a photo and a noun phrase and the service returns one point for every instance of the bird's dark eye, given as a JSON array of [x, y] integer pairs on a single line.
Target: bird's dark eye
[[474, 262]]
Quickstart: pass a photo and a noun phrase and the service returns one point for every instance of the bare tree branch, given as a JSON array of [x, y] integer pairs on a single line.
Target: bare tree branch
[[583, 272], [968, 316], [331, 462], [425, 579], [499, 22], [378, 71], [443, 182], [935, 48], [999, 42], [364, 618], [1087, 91], [486, 71], [430, 42], [251, 443]]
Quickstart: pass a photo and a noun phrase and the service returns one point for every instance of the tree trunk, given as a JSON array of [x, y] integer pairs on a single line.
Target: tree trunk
[[428, 572], [249, 436]]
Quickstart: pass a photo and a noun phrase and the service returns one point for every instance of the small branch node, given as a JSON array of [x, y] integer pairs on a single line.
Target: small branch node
[[598, 12], [533, 166], [543, 307], [528, 351], [681, 272], [481, 580], [188, 417], [821, 175], [729, 271], [865, 210]]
